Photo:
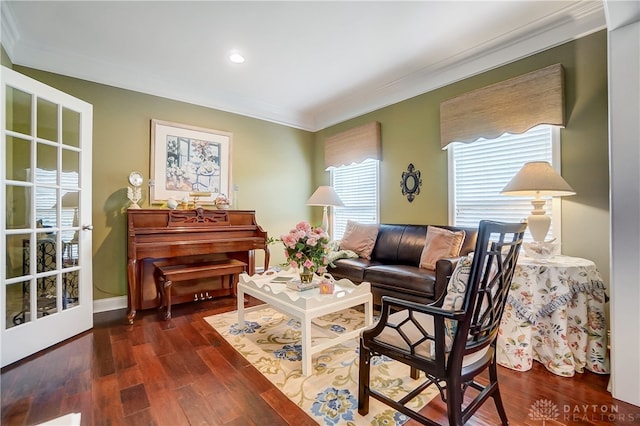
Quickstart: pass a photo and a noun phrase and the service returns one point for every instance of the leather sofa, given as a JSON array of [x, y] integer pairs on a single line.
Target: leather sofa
[[394, 268]]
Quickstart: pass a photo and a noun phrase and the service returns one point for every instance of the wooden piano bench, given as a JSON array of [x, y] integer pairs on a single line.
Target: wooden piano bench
[[166, 275]]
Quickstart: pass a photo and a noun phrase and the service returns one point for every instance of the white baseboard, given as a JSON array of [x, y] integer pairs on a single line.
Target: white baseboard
[[109, 304]]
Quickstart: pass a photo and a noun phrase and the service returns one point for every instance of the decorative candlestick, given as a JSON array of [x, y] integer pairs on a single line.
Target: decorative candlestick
[[196, 196]]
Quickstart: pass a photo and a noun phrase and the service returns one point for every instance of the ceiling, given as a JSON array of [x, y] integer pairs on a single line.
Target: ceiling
[[309, 64]]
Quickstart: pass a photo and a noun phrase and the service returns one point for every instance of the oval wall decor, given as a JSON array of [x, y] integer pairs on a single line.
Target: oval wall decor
[[411, 182]]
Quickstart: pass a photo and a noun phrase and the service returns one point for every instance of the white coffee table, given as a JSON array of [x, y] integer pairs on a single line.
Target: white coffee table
[[305, 306]]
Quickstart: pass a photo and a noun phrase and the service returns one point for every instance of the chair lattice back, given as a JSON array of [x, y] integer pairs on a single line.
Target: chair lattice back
[[489, 282], [492, 269]]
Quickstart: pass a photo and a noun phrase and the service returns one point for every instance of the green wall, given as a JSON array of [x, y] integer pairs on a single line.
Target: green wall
[[267, 159], [277, 167], [411, 134]]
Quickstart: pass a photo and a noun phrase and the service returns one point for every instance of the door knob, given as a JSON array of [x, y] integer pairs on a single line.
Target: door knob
[[87, 227]]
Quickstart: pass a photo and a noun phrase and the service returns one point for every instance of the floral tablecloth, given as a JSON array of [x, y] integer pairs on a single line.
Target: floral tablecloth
[[555, 315]]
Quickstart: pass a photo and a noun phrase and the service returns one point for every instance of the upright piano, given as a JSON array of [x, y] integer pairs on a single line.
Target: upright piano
[[182, 237]]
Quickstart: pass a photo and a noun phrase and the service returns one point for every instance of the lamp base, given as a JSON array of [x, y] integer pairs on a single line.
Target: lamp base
[[325, 220], [538, 221], [539, 226]]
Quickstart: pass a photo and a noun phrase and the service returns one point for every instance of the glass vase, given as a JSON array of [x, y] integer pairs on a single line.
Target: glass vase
[[306, 275]]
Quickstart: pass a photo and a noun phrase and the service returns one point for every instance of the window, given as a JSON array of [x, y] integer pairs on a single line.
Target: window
[[478, 171], [357, 187]]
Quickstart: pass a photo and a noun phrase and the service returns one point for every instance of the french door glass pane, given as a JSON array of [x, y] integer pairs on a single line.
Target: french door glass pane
[[70, 168], [18, 202], [18, 158], [70, 128], [70, 289], [18, 111], [47, 159], [17, 305], [15, 255], [46, 211], [47, 120], [45, 270]]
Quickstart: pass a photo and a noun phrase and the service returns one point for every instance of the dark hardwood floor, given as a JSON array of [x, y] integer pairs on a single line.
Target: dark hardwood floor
[[181, 372]]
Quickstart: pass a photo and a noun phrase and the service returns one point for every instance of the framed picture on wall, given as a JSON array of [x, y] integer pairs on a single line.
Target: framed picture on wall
[[187, 159]]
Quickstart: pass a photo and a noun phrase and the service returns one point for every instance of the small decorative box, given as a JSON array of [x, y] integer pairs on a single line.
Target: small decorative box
[[326, 287]]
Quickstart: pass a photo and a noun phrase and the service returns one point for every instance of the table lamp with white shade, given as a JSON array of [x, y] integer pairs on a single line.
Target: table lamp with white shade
[[538, 178], [325, 196]]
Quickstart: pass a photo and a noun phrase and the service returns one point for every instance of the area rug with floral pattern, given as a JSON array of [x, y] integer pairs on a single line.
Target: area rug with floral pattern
[[271, 342]]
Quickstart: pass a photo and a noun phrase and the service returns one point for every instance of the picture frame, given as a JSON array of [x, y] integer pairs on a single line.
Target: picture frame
[[188, 159]]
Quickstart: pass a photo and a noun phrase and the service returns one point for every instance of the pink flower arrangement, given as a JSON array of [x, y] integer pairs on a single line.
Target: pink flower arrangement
[[305, 247]]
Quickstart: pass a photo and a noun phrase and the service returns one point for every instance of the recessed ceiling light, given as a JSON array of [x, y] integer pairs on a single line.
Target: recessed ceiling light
[[236, 58]]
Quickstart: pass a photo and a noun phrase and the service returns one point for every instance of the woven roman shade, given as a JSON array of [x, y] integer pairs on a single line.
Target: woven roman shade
[[353, 146], [512, 106]]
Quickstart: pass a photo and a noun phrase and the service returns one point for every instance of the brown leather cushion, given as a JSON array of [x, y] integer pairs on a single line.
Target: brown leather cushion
[[403, 278], [400, 244], [352, 269]]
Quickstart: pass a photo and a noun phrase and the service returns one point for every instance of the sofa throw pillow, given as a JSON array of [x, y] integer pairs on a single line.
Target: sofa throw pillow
[[359, 238], [440, 243]]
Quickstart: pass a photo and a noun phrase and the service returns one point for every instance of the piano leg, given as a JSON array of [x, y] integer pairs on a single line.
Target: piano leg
[[132, 289], [163, 287], [167, 299]]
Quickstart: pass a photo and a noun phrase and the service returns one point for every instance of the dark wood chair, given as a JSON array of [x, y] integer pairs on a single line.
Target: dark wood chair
[[452, 340]]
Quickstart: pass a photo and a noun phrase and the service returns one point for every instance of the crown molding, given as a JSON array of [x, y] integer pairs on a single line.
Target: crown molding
[[585, 19]]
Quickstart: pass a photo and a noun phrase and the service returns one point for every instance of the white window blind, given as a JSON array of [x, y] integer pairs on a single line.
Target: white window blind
[[357, 187], [478, 171]]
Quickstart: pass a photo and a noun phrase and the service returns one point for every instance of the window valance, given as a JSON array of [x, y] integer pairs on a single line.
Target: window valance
[[512, 106], [353, 146]]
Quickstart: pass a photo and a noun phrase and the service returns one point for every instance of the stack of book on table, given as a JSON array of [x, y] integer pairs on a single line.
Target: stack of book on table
[[295, 284], [298, 285]]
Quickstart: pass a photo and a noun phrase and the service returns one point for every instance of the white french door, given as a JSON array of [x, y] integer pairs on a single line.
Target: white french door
[[45, 220]]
